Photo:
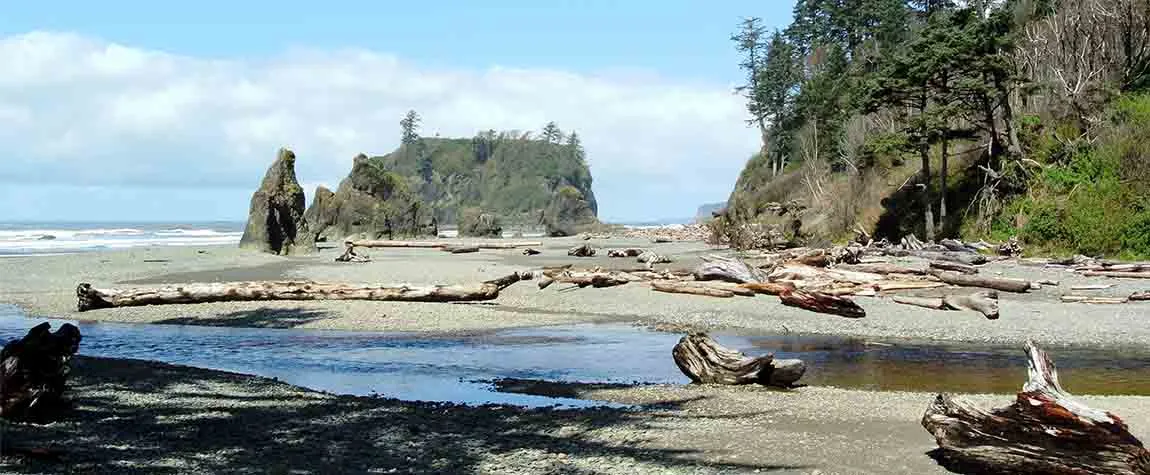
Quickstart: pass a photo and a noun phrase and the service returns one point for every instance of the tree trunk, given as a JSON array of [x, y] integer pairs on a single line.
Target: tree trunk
[[943, 172], [709, 289], [33, 371], [822, 303], [996, 283], [90, 298], [924, 153], [1044, 431], [706, 362], [1012, 144]]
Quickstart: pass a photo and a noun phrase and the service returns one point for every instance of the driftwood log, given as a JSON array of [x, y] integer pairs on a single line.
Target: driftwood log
[[624, 252], [882, 268], [729, 270], [986, 282], [954, 267], [349, 255], [1118, 274], [460, 249], [531, 251], [436, 244], [959, 257], [584, 250], [1045, 431], [89, 298], [822, 303], [33, 372], [985, 303], [650, 258], [769, 288], [706, 362], [709, 289]]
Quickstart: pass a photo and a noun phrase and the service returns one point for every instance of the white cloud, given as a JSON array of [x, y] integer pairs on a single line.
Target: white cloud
[[78, 111]]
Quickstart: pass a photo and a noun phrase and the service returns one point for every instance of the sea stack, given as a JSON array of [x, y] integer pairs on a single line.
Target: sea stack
[[276, 217]]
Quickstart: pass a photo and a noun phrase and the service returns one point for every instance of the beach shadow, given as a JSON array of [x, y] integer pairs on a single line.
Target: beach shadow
[[148, 417], [263, 317]]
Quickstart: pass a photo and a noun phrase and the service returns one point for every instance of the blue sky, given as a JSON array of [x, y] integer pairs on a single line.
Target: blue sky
[[187, 101]]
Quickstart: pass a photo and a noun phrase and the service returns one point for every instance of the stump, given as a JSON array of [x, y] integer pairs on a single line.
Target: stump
[[1043, 431], [33, 371], [706, 362]]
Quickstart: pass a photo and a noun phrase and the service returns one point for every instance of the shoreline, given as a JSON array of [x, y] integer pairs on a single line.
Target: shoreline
[[43, 288], [181, 419]]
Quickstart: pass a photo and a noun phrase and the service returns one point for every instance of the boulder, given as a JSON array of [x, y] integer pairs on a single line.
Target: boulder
[[567, 212], [475, 223], [276, 215]]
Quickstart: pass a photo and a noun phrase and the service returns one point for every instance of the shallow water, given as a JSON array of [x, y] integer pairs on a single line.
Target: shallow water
[[419, 367]]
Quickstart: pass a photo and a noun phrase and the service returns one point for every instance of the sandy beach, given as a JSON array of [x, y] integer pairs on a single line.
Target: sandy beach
[[148, 417]]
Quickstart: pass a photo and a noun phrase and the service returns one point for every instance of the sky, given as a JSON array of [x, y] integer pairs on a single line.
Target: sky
[[172, 111]]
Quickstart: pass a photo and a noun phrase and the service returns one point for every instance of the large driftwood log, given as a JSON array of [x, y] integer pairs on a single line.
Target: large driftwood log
[[629, 252], [33, 371], [1044, 431], [1118, 274], [986, 282], [882, 268], [89, 298], [436, 244], [706, 362], [531, 251], [769, 288], [729, 270], [709, 289], [349, 255], [822, 303], [460, 249], [985, 303], [584, 250], [960, 257], [954, 267]]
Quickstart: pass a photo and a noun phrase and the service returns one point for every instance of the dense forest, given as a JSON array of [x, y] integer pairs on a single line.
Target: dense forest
[[479, 183], [985, 119]]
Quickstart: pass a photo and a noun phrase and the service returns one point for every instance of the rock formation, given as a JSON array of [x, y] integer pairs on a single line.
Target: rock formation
[[567, 212], [476, 223], [372, 202], [276, 216]]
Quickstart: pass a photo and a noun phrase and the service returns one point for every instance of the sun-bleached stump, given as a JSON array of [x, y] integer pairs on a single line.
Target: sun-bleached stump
[[1045, 431], [34, 370], [706, 362], [89, 298]]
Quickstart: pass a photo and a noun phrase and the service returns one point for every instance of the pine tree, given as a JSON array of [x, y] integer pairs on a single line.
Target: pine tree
[[551, 133], [409, 126]]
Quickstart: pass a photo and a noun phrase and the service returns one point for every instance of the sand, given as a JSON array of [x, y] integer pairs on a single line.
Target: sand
[[44, 286], [157, 418]]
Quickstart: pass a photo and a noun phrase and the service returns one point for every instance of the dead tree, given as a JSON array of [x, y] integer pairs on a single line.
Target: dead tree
[[1045, 431], [33, 371], [89, 298], [706, 362]]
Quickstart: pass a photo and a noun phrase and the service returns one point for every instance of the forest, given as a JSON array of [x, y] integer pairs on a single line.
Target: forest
[[978, 119]]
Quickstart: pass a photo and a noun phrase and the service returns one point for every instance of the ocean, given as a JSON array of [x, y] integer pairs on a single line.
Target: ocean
[[49, 238]]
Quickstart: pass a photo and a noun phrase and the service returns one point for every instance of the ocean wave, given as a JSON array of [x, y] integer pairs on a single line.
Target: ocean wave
[[196, 232]]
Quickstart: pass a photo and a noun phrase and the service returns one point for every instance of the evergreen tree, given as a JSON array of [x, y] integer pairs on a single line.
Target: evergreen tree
[[409, 126], [551, 133]]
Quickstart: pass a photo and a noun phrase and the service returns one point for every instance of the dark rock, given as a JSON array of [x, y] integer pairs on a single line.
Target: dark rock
[[475, 223], [276, 215], [33, 371], [567, 212]]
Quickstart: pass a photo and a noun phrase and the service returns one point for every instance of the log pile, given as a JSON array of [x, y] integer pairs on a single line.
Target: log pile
[[704, 361], [1044, 431], [33, 372], [670, 233], [89, 298]]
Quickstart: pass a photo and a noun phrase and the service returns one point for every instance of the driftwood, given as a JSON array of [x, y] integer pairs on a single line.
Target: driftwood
[[1140, 296], [882, 268], [436, 244], [624, 252], [89, 298], [704, 361], [349, 255], [822, 303], [709, 289], [985, 303], [460, 249], [959, 257], [33, 371], [650, 258], [1045, 431], [593, 279], [661, 240], [996, 283], [729, 270], [1118, 274], [531, 251], [954, 267], [768, 288], [1011, 247], [584, 250], [1092, 299]]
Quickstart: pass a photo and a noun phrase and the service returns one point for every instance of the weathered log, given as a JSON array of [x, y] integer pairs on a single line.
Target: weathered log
[[959, 257], [985, 303], [729, 270], [1012, 247], [986, 282], [89, 298], [661, 240], [1093, 299], [890, 286], [650, 258], [704, 361], [349, 255], [584, 250], [1118, 274], [822, 303], [437, 244], [955, 245], [631, 252], [1045, 431], [531, 251], [1140, 296], [882, 268], [954, 267], [33, 371], [768, 288], [460, 249], [691, 289], [594, 279], [1092, 287]]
